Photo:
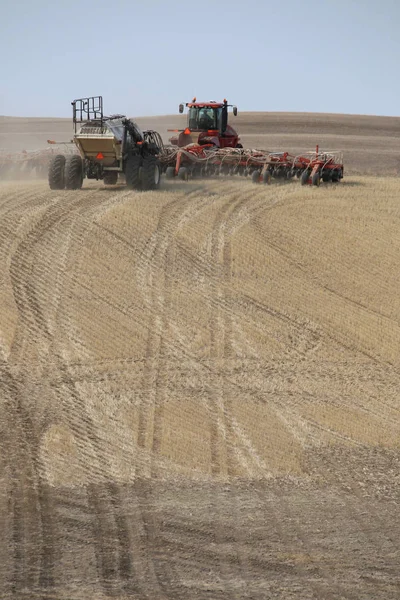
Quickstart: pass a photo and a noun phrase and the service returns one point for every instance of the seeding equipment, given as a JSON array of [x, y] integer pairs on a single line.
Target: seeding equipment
[[210, 146], [107, 147], [27, 164]]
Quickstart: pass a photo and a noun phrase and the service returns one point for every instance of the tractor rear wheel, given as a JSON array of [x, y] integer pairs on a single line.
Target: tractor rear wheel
[[132, 171], [73, 172], [255, 176], [304, 177], [110, 178], [56, 172], [151, 173]]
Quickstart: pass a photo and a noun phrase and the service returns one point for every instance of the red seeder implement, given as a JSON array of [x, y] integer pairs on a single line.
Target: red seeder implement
[[197, 160]]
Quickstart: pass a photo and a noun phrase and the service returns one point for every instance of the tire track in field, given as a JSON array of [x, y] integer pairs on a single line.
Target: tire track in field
[[92, 456], [19, 441], [16, 215], [181, 344], [31, 519], [231, 218], [37, 322], [220, 343], [38, 297], [26, 503], [154, 267]]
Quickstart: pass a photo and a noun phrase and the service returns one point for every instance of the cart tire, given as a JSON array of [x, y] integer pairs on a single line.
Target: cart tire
[[132, 171], [151, 173], [56, 172], [73, 172], [170, 172]]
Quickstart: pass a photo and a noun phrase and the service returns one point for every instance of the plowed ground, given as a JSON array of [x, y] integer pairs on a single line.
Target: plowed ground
[[200, 391]]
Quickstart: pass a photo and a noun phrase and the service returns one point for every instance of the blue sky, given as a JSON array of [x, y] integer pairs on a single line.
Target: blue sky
[[145, 57]]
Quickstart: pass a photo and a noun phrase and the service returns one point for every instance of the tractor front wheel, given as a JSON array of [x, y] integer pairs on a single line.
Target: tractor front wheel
[[56, 172], [73, 172]]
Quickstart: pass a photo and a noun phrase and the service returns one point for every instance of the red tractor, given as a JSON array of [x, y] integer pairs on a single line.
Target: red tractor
[[207, 125]]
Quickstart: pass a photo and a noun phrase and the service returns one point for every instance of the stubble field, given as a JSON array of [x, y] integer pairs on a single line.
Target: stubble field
[[200, 385]]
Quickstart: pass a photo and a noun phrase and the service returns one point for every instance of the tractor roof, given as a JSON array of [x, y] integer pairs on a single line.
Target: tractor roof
[[205, 104]]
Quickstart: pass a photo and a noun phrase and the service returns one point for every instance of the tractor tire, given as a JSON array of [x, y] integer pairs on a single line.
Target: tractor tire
[[183, 173], [255, 176], [151, 173], [73, 172], [316, 179], [304, 177], [56, 172], [266, 177], [170, 172], [132, 171], [110, 178]]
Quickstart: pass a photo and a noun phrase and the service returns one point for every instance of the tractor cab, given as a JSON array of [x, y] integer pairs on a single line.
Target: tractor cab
[[208, 125]]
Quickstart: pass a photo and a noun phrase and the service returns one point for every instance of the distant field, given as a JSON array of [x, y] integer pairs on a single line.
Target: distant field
[[199, 386], [371, 145]]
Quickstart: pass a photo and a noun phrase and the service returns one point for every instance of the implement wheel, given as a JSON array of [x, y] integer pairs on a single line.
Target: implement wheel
[[170, 172], [183, 173], [132, 171], [266, 177], [56, 172], [255, 176], [151, 173], [316, 179], [304, 177]]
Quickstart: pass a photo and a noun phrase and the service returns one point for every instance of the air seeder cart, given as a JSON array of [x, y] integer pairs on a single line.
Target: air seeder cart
[[107, 147]]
